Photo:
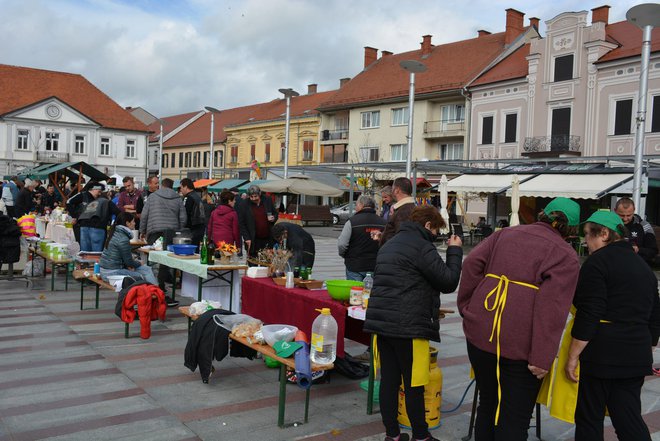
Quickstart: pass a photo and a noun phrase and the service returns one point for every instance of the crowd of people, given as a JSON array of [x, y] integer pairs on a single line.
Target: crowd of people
[[515, 291]]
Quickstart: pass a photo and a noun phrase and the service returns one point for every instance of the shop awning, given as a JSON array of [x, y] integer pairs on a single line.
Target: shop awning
[[228, 184], [578, 186], [486, 183], [200, 183]]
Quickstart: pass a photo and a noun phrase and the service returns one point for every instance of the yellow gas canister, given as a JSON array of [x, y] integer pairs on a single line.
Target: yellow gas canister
[[432, 395]]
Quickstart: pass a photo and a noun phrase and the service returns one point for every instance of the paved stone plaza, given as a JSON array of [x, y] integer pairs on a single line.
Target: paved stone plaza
[[70, 375]]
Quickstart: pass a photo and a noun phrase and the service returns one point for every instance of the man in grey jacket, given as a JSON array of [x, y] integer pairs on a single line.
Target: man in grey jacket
[[163, 214]]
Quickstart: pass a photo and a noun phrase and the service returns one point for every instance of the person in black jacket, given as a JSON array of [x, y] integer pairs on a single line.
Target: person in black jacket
[[195, 211], [256, 218], [404, 312], [640, 233], [616, 326], [356, 244], [300, 242]]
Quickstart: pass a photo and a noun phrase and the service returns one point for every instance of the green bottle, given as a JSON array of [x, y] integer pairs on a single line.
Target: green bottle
[[204, 252]]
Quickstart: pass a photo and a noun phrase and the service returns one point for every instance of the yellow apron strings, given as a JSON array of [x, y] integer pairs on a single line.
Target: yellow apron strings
[[498, 303]]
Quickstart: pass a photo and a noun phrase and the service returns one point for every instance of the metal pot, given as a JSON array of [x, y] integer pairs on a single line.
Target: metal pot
[[180, 240]]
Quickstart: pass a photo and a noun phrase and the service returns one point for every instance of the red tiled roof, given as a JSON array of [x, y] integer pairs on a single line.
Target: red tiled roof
[[513, 66], [629, 38], [169, 124], [450, 66], [23, 86], [200, 130]]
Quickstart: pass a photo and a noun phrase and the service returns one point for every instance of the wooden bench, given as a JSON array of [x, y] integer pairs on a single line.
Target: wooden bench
[[86, 275], [285, 364], [313, 213]]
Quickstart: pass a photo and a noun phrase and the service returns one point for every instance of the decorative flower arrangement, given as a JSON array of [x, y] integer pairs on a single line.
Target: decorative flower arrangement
[[226, 250], [276, 259]]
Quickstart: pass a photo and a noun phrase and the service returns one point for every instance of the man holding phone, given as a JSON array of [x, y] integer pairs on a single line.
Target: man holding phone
[[256, 218]]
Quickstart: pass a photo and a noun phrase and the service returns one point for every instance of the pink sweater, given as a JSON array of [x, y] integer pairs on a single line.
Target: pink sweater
[[223, 225], [533, 320]]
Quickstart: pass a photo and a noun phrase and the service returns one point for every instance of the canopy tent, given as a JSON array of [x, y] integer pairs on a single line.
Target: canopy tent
[[117, 178], [25, 173], [243, 188], [480, 183], [70, 169], [227, 184], [200, 183], [578, 186], [300, 185]]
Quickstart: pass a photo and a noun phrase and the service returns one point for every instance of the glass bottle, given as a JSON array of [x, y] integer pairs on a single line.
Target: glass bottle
[[210, 251], [203, 252]]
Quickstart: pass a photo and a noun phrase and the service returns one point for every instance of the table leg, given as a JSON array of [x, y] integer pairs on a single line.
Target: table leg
[[370, 382], [199, 289], [125, 330], [231, 295], [174, 284], [82, 292], [97, 296], [66, 277], [307, 403], [282, 400], [32, 259], [52, 276]]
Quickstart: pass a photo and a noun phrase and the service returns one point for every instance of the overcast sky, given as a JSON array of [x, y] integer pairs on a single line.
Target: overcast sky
[[175, 56]]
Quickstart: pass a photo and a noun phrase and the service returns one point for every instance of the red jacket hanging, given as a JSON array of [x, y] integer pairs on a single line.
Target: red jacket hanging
[[150, 301]]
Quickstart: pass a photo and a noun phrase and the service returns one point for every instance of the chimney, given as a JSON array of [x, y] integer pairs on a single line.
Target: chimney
[[534, 22], [343, 81], [482, 33], [370, 55], [311, 89], [426, 45], [384, 54], [600, 13], [514, 25]]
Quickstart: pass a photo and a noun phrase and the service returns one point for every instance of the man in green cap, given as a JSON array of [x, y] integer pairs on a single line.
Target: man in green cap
[[516, 289]]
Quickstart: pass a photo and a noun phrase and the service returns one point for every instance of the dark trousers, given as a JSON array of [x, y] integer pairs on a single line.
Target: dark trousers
[[622, 398], [396, 358], [519, 391], [165, 274], [197, 232]]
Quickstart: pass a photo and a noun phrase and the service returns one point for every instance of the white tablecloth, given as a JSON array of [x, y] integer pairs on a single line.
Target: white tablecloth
[[216, 290]]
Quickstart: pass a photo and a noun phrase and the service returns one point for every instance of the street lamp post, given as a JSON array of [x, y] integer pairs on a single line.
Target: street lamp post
[[288, 93], [160, 151], [412, 66], [646, 16], [213, 111]]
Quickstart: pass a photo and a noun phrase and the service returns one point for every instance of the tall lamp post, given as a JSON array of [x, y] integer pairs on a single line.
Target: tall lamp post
[[212, 111], [160, 151], [412, 66], [646, 16], [288, 94]]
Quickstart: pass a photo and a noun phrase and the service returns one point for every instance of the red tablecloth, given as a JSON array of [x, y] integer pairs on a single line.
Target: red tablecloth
[[273, 304]]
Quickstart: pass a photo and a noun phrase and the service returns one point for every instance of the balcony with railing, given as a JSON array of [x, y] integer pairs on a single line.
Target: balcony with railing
[[555, 145], [444, 128], [52, 156], [332, 136]]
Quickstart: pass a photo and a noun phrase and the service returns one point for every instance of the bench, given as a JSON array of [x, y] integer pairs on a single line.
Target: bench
[[313, 213], [285, 363], [89, 277]]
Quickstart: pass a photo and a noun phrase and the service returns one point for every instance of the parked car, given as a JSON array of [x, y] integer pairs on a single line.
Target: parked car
[[340, 214]]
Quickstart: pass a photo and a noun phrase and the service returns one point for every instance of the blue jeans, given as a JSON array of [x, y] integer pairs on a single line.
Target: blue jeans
[[352, 275], [143, 272], [92, 239]]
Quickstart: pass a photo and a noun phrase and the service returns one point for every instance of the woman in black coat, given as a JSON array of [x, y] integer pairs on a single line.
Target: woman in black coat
[[616, 326], [403, 312]]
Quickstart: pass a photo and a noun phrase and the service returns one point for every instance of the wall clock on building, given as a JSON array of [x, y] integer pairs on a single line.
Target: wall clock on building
[[53, 111]]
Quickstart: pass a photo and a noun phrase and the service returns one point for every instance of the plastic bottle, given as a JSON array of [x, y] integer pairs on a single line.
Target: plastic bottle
[[97, 270], [323, 349], [366, 291]]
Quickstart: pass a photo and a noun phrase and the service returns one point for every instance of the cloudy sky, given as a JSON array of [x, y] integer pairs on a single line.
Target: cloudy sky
[[176, 56]]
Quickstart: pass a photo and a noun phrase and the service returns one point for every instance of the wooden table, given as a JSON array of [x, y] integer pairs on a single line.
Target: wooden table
[[54, 265], [285, 363], [204, 274]]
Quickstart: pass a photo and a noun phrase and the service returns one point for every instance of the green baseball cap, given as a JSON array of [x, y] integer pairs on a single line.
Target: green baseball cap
[[607, 219], [567, 206], [285, 349]]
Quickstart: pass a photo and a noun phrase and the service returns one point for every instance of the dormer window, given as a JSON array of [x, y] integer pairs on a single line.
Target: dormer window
[[564, 68]]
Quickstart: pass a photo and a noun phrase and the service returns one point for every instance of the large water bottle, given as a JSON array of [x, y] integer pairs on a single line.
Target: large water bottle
[[323, 349], [366, 291]]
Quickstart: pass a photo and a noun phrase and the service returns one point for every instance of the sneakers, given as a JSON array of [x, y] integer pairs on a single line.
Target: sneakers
[[402, 437], [171, 303]]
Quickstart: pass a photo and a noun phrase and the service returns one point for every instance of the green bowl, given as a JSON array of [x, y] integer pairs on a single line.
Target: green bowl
[[341, 289]]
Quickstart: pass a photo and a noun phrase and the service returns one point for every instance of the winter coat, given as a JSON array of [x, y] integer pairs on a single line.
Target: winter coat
[[355, 244], [149, 308], [402, 211], [618, 313], [223, 226], [409, 276], [533, 319], [301, 244], [118, 254], [246, 218], [163, 211], [206, 341], [23, 205], [641, 234], [195, 210], [10, 240]]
